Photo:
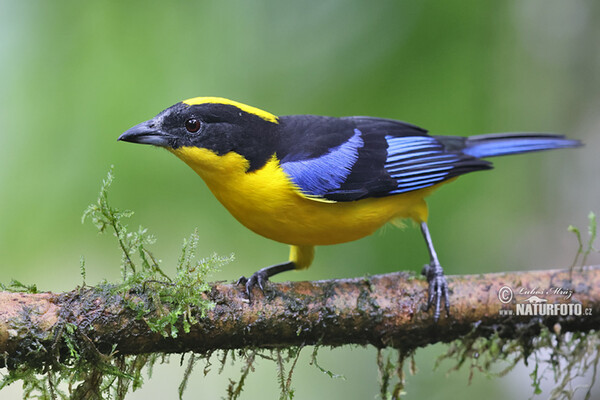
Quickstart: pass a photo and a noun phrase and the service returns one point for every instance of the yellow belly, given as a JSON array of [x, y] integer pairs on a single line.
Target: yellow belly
[[268, 203]]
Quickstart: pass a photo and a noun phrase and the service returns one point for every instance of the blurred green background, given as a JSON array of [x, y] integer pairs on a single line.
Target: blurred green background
[[74, 75]]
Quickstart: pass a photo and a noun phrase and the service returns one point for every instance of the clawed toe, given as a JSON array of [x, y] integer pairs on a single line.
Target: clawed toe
[[438, 289], [259, 278]]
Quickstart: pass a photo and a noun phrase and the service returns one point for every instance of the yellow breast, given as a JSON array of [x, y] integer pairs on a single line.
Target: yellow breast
[[270, 204]]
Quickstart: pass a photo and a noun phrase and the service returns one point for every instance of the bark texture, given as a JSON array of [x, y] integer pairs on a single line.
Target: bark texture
[[384, 310]]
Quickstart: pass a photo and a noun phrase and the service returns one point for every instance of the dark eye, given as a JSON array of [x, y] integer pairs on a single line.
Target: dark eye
[[192, 125]]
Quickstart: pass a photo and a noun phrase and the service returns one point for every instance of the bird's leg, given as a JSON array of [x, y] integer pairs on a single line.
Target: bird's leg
[[300, 258], [438, 286], [262, 275]]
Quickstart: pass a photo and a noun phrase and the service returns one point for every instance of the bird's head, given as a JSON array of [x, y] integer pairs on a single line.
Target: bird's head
[[215, 124]]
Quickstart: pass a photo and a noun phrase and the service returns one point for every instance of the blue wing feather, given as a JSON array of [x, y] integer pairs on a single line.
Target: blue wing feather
[[325, 173], [416, 162], [360, 157]]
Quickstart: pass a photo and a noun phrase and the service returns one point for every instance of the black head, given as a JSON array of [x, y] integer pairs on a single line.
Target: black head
[[216, 124]]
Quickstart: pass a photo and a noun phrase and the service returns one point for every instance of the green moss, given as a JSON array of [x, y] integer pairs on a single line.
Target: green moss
[[18, 287], [172, 299], [79, 370], [565, 356], [391, 364], [584, 250]]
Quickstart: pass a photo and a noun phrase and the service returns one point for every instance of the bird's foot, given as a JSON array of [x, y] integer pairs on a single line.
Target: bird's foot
[[438, 289], [259, 278]]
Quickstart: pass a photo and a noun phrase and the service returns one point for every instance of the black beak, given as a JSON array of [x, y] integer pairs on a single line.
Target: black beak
[[147, 133]]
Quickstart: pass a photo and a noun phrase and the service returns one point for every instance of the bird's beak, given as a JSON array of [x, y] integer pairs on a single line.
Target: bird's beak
[[147, 133]]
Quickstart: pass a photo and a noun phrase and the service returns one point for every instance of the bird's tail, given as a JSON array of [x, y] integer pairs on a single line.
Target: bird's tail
[[501, 144]]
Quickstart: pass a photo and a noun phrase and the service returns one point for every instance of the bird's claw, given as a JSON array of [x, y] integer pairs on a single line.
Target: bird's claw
[[258, 278], [438, 288]]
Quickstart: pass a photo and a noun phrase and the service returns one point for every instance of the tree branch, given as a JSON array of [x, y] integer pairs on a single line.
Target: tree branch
[[384, 310]]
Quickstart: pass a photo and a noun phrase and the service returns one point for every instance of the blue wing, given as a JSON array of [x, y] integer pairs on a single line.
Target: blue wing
[[346, 159], [416, 162], [320, 175]]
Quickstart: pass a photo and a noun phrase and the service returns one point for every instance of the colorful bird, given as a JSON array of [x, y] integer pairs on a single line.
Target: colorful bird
[[308, 180]]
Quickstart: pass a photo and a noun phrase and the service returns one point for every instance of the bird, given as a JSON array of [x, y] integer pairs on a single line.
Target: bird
[[310, 180]]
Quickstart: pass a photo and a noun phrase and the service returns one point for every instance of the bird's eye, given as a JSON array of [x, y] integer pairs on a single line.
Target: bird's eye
[[192, 125]]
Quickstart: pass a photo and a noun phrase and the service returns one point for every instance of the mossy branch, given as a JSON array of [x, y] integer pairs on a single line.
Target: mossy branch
[[94, 341], [383, 310]]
